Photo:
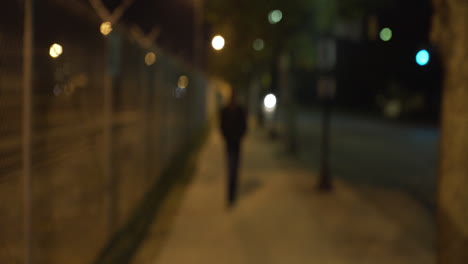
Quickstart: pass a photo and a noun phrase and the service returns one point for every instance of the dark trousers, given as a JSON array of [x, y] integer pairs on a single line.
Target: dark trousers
[[233, 156]]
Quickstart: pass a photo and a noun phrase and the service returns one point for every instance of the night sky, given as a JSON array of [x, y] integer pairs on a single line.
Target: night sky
[[174, 19], [410, 21]]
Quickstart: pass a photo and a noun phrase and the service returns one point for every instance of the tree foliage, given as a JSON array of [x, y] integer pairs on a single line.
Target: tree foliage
[[243, 21]]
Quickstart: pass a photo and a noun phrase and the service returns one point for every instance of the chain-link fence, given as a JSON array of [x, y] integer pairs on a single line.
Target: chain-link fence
[[11, 94], [100, 126]]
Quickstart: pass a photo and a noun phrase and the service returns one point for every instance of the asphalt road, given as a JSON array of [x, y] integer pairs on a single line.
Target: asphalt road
[[375, 152]]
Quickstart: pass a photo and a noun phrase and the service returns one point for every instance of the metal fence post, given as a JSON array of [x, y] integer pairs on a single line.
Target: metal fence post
[[26, 126], [107, 120]]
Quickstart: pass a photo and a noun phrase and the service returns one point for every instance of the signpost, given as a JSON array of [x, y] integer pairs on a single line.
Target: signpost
[[326, 92]]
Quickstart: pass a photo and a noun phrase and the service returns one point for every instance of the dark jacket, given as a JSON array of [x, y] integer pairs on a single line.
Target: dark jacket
[[233, 123]]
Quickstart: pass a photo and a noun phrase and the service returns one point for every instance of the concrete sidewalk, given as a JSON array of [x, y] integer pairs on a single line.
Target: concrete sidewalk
[[281, 218]]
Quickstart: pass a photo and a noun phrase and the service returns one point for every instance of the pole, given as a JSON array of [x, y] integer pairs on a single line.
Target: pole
[[27, 127], [325, 180], [107, 137], [197, 38], [198, 89], [326, 89]]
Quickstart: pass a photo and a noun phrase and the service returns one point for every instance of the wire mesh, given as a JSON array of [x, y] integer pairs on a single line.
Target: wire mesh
[[104, 124], [11, 205]]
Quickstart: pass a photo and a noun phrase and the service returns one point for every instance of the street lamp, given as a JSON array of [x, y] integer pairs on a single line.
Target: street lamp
[[55, 50], [269, 107], [269, 103], [218, 42], [106, 28]]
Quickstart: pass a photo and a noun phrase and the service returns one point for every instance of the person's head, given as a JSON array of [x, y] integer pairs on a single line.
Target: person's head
[[233, 98]]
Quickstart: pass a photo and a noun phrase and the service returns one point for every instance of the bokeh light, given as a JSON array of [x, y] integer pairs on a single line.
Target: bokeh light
[[218, 42], [386, 34], [275, 16], [150, 58], [183, 82], [422, 57], [106, 28], [393, 108], [258, 44], [269, 102], [55, 50]]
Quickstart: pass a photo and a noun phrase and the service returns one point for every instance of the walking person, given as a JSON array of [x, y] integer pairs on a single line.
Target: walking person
[[233, 128]]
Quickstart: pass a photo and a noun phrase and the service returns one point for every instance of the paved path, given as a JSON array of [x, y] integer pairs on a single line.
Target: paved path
[[280, 218]]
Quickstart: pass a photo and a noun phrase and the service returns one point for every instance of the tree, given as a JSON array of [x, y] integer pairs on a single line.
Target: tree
[[242, 21], [450, 33]]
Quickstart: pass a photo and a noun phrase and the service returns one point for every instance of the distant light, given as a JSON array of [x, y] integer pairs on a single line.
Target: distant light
[[275, 16], [269, 102], [183, 82], [150, 58], [55, 50], [106, 28], [422, 57], [386, 34], [393, 108], [258, 44], [218, 42]]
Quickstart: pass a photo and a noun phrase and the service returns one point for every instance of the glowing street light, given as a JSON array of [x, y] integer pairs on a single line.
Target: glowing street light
[[150, 58], [218, 42], [269, 102], [422, 57], [275, 16], [386, 34], [106, 28], [55, 50]]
